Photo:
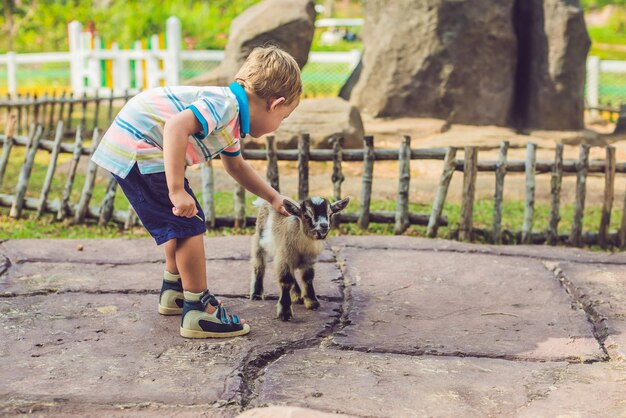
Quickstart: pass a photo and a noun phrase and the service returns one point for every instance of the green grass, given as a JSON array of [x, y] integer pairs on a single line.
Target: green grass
[[606, 35], [513, 212]]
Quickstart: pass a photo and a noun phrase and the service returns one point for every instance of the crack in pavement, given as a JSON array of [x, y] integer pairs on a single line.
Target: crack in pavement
[[5, 264], [254, 365], [595, 318], [485, 252], [417, 352]]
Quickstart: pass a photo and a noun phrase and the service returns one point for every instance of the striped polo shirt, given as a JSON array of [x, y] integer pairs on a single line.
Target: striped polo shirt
[[136, 134]]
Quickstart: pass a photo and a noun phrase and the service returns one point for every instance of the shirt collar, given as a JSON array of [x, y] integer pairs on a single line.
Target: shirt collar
[[244, 109]]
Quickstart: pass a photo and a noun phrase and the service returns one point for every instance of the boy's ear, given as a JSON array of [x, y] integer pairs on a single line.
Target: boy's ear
[[273, 103], [292, 208], [339, 205]]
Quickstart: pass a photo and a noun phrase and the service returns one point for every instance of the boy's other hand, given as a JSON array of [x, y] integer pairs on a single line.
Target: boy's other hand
[[277, 204], [184, 204]]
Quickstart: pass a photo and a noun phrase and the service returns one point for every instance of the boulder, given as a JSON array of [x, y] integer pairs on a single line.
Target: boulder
[[516, 63], [322, 119], [288, 24], [447, 59], [552, 95]]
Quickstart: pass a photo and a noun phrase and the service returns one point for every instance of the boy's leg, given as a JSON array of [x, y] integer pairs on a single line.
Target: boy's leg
[[202, 316], [191, 263], [170, 256], [171, 300]]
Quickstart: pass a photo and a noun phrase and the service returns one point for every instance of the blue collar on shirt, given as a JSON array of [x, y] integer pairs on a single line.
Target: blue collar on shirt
[[244, 109]]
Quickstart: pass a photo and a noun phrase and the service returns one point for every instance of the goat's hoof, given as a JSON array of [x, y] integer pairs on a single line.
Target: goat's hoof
[[256, 297], [284, 314], [296, 299], [311, 303]]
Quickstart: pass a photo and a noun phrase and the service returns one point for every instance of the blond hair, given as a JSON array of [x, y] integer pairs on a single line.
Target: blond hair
[[271, 73]]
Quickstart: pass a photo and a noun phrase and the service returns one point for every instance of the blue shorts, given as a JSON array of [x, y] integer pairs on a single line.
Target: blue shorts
[[149, 196]]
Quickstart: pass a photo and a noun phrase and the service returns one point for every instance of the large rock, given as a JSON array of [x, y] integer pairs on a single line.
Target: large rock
[[288, 24], [509, 62], [558, 43], [447, 59], [322, 119]]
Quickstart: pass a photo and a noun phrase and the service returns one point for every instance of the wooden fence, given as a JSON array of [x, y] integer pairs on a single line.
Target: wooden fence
[[43, 116]]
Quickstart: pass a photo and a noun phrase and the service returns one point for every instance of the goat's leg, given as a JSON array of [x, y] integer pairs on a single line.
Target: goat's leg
[[286, 281], [258, 269], [296, 293], [308, 294]]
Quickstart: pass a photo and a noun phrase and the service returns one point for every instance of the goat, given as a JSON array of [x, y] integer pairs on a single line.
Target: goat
[[295, 242]]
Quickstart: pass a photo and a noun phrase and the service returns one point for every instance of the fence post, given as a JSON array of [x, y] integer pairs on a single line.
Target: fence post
[[529, 207], [592, 86], [442, 191], [555, 196], [108, 203], [139, 76], [208, 193], [56, 147], [337, 177], [607, 204], [94, 72], [76, 57], [499, 193], [22, 182], [579, 205], [67, 190], [402, 205], [272, 163], [8, 144], [152, 63], [82, 209], [368, 173], [470, 168], [304, 150], [240, 200], [12, 73], [173, 42]]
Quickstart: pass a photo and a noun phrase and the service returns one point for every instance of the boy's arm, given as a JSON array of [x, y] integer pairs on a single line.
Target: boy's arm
[[175, 136], [245, 175]]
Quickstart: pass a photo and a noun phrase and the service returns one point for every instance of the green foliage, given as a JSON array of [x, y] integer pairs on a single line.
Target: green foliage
[[38, 26], [42, 25], [595, 4]]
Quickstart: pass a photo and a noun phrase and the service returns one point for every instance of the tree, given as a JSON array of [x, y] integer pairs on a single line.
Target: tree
[[16, 14]]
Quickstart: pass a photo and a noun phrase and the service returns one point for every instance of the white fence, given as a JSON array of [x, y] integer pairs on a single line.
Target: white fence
[[606, 83], [109, 71]]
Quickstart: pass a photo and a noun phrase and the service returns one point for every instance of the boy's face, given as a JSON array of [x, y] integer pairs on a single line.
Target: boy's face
[[270, 119]]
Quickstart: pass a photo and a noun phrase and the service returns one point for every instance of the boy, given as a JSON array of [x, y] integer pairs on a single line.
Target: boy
[[163, 129]]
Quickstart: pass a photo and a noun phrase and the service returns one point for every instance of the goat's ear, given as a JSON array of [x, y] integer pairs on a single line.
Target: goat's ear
[[339, 205], [292, 208]]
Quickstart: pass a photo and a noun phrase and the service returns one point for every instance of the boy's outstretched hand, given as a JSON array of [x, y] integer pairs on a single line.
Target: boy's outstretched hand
[[277, 204], [184, 204]]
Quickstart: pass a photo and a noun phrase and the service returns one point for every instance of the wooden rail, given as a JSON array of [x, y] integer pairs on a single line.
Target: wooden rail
[[50, 124]]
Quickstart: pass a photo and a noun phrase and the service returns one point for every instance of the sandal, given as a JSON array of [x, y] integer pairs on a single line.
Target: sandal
[[197, 323]]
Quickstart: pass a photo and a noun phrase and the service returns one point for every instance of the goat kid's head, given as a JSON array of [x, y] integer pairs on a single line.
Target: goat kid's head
[[315, 214]]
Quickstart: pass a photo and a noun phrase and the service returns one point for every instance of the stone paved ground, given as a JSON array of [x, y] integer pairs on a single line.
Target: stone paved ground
[[407, 327]]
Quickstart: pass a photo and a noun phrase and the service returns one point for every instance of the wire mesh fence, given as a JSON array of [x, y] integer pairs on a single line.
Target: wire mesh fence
[[612, 88], [323, 75], [605, 87]]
